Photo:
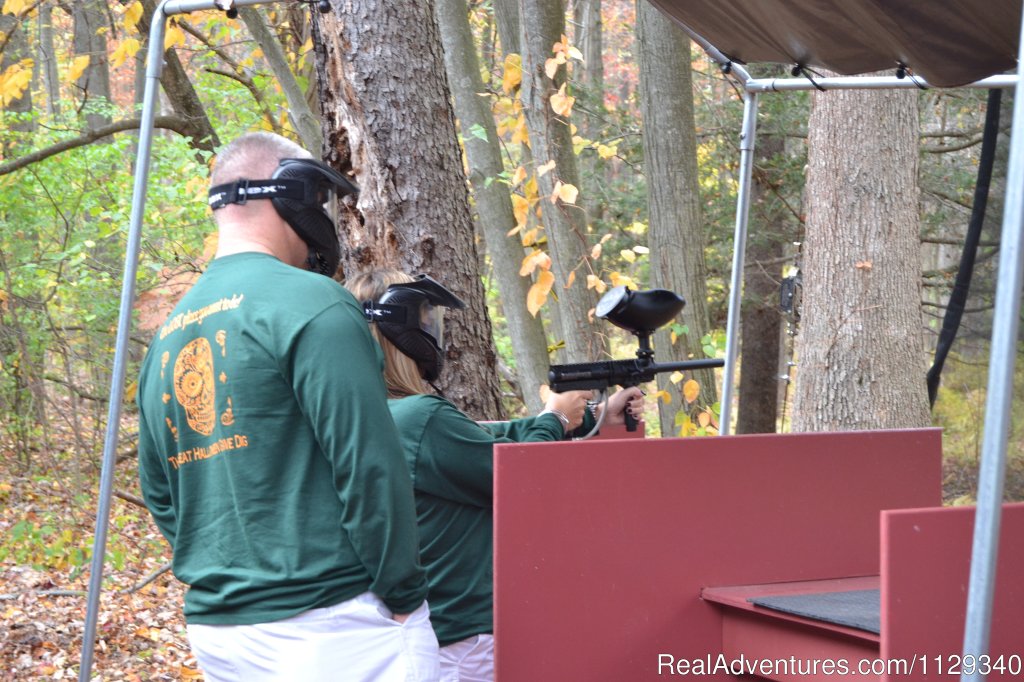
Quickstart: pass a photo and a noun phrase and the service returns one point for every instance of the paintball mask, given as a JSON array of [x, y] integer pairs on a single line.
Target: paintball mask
[[304, 193], [411, 316]]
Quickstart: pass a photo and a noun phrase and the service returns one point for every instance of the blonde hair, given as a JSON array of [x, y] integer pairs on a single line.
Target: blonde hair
[[401, 375]]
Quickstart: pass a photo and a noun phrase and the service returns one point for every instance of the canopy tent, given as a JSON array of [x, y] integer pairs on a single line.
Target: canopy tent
[[948, 43], [956, 42]]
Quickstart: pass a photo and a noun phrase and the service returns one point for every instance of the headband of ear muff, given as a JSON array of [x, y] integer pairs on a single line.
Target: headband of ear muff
[[299, 189]]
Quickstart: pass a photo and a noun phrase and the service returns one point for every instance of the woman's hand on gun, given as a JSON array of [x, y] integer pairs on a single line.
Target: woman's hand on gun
[[631, 399]]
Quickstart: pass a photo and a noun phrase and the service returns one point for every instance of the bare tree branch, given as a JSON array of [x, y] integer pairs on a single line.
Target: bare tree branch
[[175, 123]]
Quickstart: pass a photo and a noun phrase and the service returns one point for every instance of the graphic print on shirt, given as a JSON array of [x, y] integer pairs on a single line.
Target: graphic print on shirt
[[194, 385]]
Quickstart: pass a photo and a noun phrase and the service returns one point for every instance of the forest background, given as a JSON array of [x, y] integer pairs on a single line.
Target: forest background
[[70, 89]]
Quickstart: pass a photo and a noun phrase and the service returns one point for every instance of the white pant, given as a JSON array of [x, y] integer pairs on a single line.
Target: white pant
[[353, 641], [468, 660]]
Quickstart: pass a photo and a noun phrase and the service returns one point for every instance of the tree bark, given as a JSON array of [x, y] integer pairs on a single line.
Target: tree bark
[[48, 60], [493, 202], [859, 352], [542, 23], [676, 236], [388, 116], [90, 40], [761, 319]]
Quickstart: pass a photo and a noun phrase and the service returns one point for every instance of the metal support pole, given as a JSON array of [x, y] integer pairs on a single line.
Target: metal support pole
[[154, 67], [1003, 354], [747, 138]]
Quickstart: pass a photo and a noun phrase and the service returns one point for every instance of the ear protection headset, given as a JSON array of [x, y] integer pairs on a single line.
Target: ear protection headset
[[410, 316], [301, 191]]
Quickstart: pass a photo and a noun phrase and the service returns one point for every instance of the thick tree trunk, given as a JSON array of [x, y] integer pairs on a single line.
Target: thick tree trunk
[[859, 354], [493, 202], [387, 115], [543, 23], [676, 237]]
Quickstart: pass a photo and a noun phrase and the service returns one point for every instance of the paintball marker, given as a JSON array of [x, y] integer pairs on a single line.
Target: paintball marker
[[640, 313]]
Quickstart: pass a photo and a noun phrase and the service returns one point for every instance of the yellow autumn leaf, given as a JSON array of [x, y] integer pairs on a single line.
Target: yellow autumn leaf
[[78, 66], [595, 252], [14, 7], [125, 51], [561, 103], [640, 249], [663, 396], [132, 14], [606, 237], [545, 169], [628, 255], [529, 237], [595, 282], [538, 293], [515, 230], [518, 176], [551, 67], [520, 135], [566, 192], [14, 81], [535, 259], [691, 389], [704, 419], [575, 53], [512, 74], [572, 278], [531, 190], [174, 37], [620, 280], [675, 377], [606, 151], [520, 208]]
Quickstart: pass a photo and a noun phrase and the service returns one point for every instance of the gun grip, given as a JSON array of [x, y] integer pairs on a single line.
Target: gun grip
[[630, 421]]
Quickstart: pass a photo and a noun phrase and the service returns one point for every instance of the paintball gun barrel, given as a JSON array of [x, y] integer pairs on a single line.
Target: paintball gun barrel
[[640, 313]]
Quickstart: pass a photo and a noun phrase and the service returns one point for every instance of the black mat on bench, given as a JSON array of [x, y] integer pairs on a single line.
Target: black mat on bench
[[856, 609]]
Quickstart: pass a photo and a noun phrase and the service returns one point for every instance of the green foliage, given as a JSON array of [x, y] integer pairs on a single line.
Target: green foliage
[[63, 250]]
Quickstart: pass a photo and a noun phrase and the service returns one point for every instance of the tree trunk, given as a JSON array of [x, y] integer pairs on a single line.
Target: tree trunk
[[493, 202], [542, 23], [761, 319], [302, 117], [676, 237], [387, 115], [859, 352], [90, 39], [506, 20], [590, 74], [48, 60], [178, 88]]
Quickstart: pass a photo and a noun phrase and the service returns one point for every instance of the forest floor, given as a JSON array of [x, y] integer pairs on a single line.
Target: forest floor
[[48, 530]]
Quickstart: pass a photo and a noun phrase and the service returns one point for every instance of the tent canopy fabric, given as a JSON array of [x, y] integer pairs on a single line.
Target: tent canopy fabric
[[948, 42]]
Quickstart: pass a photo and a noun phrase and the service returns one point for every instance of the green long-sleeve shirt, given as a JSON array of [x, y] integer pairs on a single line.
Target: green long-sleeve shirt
[[451, 461], [267, 454]]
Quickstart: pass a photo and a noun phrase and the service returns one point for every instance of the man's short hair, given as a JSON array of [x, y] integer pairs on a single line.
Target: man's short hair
[[253, 156]]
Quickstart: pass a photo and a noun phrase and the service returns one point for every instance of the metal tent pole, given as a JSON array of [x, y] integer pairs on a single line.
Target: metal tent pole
[[747, 138], [1002, 357], [154, 67]]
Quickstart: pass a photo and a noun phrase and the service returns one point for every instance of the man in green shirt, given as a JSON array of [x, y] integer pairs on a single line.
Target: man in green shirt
[[270, 463]]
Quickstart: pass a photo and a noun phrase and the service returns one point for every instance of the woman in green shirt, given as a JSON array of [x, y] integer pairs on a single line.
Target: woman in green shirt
[[450, 458]]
